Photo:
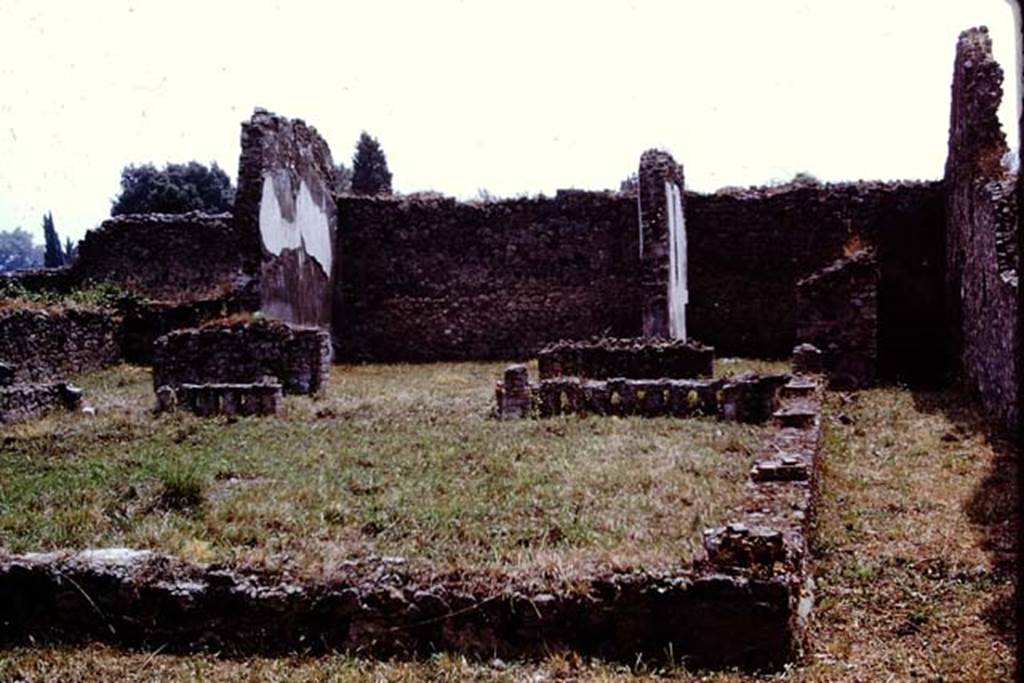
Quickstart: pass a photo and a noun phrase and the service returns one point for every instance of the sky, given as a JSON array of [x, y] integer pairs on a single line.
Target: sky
[[515, 97]]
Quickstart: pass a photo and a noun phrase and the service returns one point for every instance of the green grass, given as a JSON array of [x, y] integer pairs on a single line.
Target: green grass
[[914, 561], [395, 460]]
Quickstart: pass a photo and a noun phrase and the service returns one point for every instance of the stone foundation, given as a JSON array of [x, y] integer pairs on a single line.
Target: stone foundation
[[208, 400], [748, 398], [244, 352], [744, 604]]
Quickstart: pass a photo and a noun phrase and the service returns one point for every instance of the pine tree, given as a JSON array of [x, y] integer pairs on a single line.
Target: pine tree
[[53, 257], [370, 174]]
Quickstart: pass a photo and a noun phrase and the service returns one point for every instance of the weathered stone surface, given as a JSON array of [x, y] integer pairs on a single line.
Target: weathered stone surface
[[981, 251], [738, 546], [244, 352], [514, 396], [145, 322], [751, 397], [749, 248], [837, 312], [808, 360], [770, 531], [435, 279], [166, 399], [166, 257], [7, 374], [145, 600], [27, 401], [209, 400], [632, 358], [426, 279], [51, 343], [783, 468], [662, 245], [285, 211]]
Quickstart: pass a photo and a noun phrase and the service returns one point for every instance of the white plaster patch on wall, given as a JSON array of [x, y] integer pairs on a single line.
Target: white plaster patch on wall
[[307, 227], [678, 293]]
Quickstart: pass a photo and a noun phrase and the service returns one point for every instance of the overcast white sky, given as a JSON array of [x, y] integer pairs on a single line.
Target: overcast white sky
[[511, 96]]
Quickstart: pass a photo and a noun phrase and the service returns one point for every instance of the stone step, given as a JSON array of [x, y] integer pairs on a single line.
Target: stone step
[[798, 388], [800, 418], [782, 468]]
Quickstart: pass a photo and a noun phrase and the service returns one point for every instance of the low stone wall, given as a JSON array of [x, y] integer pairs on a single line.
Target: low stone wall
[[837, 312], [748, 398], [633, 358], [207, 400], [22, 402], [743, 604], [141, 599], [769, 535], [51, 343], [244, 352]]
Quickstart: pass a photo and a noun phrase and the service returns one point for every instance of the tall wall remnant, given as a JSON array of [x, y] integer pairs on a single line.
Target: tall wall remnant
[[284, 202], [663, 248], [981, 258]]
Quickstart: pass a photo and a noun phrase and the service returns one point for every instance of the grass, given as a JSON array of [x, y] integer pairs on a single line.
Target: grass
[[394, 460], [914, 563], [13, 295]]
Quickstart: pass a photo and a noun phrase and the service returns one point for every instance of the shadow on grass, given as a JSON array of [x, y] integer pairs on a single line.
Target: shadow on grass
[[994, 505]]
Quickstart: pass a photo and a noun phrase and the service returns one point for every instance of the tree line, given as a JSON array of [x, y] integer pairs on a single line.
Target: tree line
[[181, 188]]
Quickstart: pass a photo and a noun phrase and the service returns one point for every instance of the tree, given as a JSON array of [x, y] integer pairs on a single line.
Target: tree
[[178, 188], [342, 179], [370, 174], [53, 256], [17, 251], [70, 251]]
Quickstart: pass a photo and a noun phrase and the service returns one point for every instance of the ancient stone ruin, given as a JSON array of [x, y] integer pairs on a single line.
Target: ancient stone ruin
[[864, 282], [239, 368]]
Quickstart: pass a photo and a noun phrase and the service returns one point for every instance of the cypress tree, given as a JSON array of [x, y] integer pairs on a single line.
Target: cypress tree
[[370, 174], [53, 256]]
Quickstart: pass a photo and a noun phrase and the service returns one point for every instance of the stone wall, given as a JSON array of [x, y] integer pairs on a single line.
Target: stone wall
[[286, 212], [721, 616], [981, 251], [748, 249], [52, 343], [837, 312], [27, 401], [435, 279], [244, 352], [166, 257], [633, 358]]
